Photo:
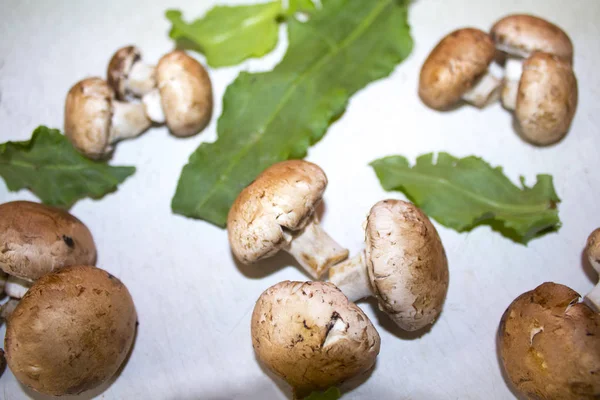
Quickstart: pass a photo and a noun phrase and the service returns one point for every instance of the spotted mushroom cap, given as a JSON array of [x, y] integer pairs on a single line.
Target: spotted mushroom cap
[[309, 334], [281, 200], [550, 344], [406, 263], [36, 239]]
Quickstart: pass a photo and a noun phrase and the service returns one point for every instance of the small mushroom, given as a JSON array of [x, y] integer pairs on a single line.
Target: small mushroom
[[128, 75], [183, 97], [550, 345], [310, 335], [95, 120], [520, 36], [592, 250], [546, 100], [71, 332], [277, 212], [404, 265], [457, 68]]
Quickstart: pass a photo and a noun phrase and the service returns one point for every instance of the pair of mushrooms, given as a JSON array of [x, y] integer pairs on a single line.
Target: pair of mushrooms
[[403, 265], [550, 342], [177, 91], [75, 323], [539, 83]]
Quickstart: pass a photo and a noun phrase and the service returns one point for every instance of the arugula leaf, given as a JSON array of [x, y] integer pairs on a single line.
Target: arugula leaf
[[274, 116], [300, 6], [464, 193], [228, 35], [332, 393], [53, 170]]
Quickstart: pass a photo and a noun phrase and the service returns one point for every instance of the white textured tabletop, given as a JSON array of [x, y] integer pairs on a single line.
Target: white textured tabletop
[[194, 302]]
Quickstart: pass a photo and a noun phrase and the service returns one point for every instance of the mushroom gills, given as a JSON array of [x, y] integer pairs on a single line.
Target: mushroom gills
[[484, 91], [351, 277], [16, 287], [514, 70], [153, 106]]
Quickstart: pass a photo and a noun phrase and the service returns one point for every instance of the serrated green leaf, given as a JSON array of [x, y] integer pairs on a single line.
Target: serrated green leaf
[[463, 193], [332, 393], [273, 116], [54, 171], [229, 35]]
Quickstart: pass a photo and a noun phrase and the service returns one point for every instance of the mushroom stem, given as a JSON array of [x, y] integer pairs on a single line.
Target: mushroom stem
[[16, 287], [351, 277], [140, 79], [3, 278], [593, 298], [483, 92], [315, 250], [153, 105], [514, 70], [7, 308], [128, 120]]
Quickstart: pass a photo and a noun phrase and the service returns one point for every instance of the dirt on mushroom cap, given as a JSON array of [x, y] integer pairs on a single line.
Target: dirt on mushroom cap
[[294, 334], [550, 344], [71, 331], [37, 239]]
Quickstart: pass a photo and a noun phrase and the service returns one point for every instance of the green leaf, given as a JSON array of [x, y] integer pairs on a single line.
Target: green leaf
[[464, 193], [54, 171], [305, 6], [228, 35], [274, 116], [332, 393]]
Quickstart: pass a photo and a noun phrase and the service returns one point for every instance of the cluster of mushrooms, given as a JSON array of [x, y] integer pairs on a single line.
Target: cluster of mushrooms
[[69, 324], [176, 92], [539, 84], [311, 333]]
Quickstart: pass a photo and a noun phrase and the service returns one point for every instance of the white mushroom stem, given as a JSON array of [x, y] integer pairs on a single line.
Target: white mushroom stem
[[593, 297], [140, 79], [484, 91], [153, 105], [128, 120], [16, 287], [512, 77], [314, 249], [351, 277]]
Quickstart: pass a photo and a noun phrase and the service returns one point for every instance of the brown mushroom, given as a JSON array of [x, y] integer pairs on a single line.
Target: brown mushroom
[[95, 120], [183, 98], [457, 68], [37, 239], [310, 335], [277, 212], [592, 250], [71, 332], [404, 265], [547, 99], [550, 345], [128, 75]]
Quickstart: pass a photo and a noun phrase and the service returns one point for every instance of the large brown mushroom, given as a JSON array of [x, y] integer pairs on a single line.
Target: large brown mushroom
[[71, 332], [404, 265], [550, 345], [592, 250], [310, 335]]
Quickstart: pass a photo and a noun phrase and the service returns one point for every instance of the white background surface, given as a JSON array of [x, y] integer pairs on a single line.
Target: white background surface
[[194, 302]]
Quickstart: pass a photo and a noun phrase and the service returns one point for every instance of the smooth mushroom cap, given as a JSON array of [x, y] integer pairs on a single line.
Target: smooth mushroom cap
[[119, 67], [186, 93], [37, 239], [546, 100], [454, 66], [311, 335], [522, 35], [550, 344], [592, 249], [280, 200], [71, 331], [88, 112], [406, 263]]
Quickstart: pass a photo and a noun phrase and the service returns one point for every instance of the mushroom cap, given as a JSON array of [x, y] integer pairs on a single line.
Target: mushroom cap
[[37, 239], [454, 66], [88, 112], [592, 249], [550, 344], [522, 35], [546, 100], [186, 93], [406, 263], [281, 199], [311, 335], [71, 331], [119, 67]]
